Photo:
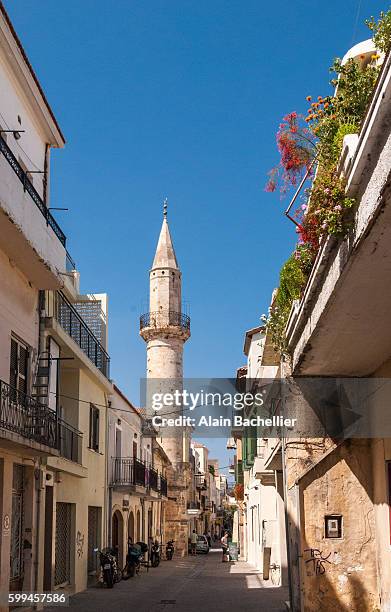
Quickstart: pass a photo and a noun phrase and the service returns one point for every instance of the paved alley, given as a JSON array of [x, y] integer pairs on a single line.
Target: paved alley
[[186, 585]]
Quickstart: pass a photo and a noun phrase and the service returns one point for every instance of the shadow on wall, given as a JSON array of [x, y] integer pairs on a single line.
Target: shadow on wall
[[337, 574]]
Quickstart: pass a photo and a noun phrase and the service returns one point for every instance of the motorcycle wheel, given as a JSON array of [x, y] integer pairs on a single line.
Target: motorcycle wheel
[[126, 572], [155, 561], [169, 555], [108, 578]]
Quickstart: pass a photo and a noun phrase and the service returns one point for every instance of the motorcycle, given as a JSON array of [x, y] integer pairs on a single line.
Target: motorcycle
[[155, 554], [133, 560], [109, 572], [170, 550]]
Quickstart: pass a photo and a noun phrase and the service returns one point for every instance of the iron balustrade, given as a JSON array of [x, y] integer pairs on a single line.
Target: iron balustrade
[[163, 318], [163, 486], [71, 321], [28, 186], [200, 481], [128, 471], [153, 479], [193, 505], [69, 441], [70, 265], [23, 415]]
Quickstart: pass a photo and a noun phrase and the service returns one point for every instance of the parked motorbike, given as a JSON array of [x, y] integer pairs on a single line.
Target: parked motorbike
[[133, 561], [155, 554], [170, 550], [109, 572]]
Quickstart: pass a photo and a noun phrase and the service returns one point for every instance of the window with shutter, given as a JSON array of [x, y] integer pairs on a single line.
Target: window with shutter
[[94, 428], [19, 360]]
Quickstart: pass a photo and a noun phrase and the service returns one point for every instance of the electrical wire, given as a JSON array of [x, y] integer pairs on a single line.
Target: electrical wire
[[356, 21]]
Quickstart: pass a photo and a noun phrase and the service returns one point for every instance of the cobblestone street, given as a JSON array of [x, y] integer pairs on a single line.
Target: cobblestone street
[[186, 585]]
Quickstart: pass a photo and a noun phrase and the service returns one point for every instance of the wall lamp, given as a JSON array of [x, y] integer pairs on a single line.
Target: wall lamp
[[16, 133]]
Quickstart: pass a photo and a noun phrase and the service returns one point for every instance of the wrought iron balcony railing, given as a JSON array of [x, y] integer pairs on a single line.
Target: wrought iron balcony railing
[[193, 505], [165, 318], [22, 414], [128, 471], [163, 486], [71, 321], [153, 479], [28, 186], [69, 441], [200, 481]]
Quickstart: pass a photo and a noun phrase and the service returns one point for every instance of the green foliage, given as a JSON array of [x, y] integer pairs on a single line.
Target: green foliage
[[355, 82], [381, 30], [328, 204], [292, 281]]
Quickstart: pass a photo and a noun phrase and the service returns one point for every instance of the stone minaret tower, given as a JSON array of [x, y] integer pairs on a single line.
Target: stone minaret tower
[[165, 330]]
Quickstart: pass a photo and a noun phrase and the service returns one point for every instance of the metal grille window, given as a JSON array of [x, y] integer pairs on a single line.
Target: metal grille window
[[19, 365], [16, 552], [62, 571], [94, 526], [94, 428]]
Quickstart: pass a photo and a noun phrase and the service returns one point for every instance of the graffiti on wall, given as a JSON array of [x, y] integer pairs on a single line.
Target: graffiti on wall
[[318, 560], [79, 544]]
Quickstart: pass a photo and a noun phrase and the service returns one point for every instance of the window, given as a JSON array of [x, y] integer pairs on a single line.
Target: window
[[19, 360], [333, 526], [94, 428]]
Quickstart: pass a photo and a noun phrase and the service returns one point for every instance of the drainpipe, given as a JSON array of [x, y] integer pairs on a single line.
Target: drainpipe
[[286, 521], [108, 501], [37, 521]]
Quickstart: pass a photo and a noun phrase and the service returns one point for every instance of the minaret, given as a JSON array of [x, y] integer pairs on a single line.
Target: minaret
[[165, 330]]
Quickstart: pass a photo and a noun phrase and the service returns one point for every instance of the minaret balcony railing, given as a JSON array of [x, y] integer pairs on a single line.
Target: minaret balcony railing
[[165, 318]]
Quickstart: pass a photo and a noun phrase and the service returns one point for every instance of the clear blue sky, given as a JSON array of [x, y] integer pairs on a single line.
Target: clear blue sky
[[179, 98]]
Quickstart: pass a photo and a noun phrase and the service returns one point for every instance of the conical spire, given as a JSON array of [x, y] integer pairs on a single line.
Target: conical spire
[[165, 254]]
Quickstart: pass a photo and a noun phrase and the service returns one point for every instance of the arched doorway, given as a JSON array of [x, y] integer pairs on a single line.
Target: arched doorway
[[118, 535], [131, 533], [138, 526]]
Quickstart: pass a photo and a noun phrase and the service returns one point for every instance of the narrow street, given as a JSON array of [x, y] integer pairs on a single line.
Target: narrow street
[[186, 585]]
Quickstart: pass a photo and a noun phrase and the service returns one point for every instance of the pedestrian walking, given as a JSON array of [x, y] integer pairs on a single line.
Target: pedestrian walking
[[194, 542], [224, 546], [209, 538]]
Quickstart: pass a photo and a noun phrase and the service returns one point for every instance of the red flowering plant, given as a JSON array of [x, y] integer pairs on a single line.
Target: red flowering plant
[[297, 151], [239, 492]]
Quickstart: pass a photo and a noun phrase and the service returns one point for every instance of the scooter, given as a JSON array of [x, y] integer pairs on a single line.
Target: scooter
[[133, 561], [155, 554], [170, 550], [109, 572]]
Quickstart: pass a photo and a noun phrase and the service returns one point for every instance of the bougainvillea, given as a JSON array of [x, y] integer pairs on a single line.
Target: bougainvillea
[[239, 492], [318, 137], [297, 151]]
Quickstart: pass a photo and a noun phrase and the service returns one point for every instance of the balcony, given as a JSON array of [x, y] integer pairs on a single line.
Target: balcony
[[22, 415], [164, 320], [200, 481], [193, 507], [128, 471], [69, 441], [163, 486], [29, 234], [131, 472], [153, 479], [328, 332], [74, 325]]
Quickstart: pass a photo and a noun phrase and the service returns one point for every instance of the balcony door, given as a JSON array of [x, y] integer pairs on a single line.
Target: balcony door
[[19, 359]]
